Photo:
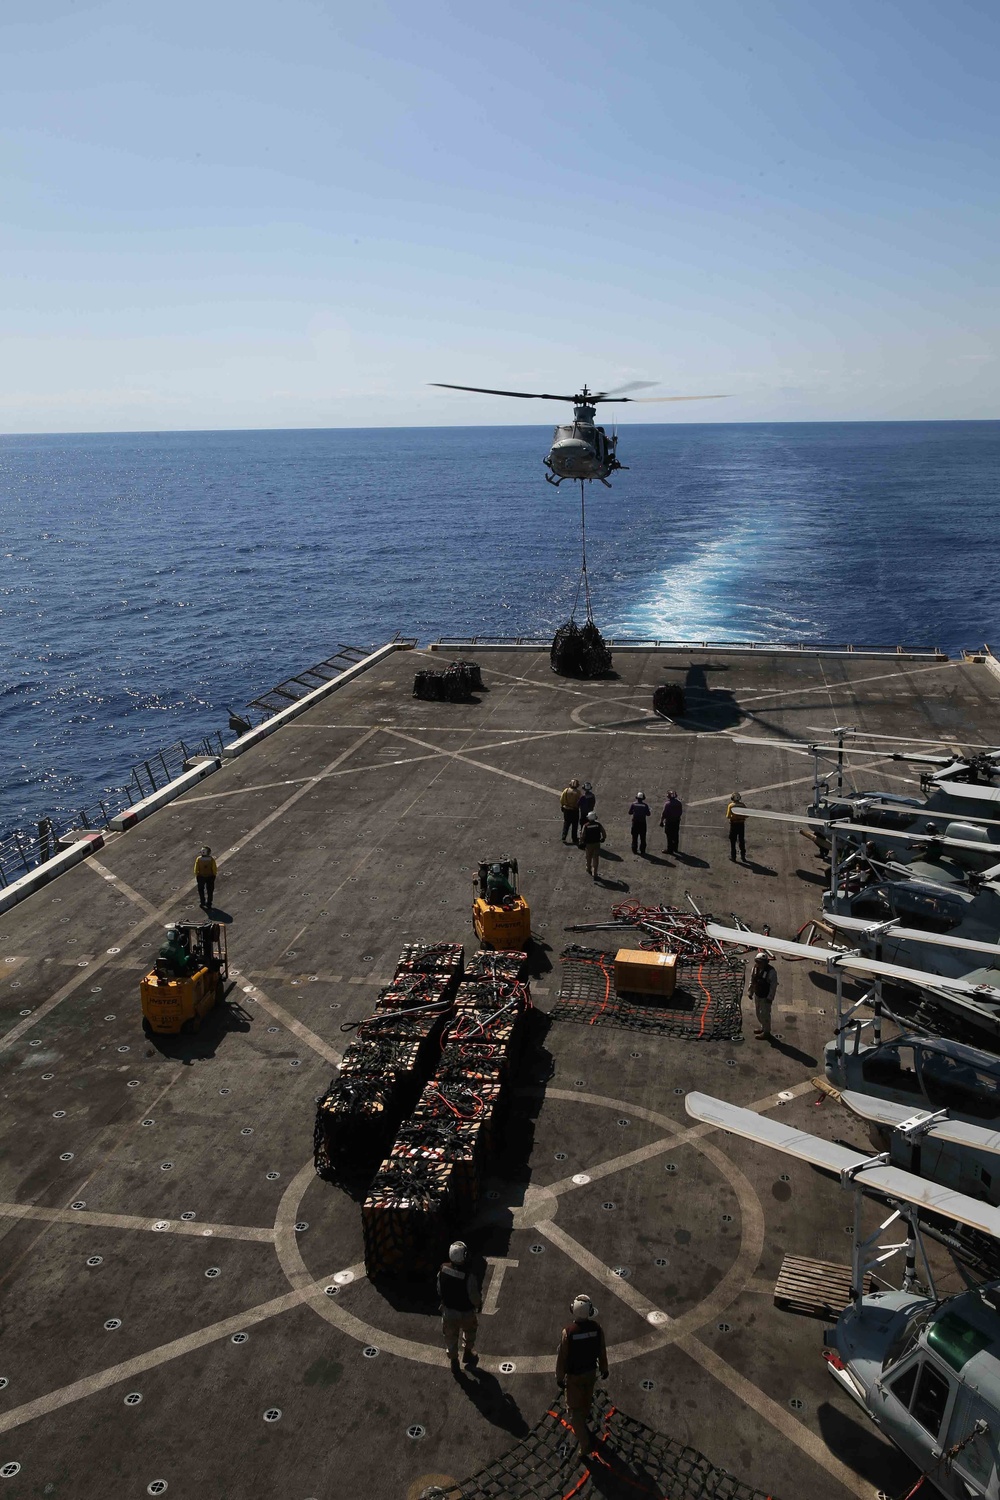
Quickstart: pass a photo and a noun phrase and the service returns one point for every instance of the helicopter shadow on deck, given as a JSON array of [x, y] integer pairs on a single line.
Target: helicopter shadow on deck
[[188, 1047], [870, 1457], [705, 707]]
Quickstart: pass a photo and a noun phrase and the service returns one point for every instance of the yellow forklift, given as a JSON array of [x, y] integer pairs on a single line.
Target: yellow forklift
[[187, 979], [501, 916]]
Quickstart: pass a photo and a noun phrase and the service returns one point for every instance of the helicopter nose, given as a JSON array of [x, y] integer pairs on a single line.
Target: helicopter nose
[[571, 454]]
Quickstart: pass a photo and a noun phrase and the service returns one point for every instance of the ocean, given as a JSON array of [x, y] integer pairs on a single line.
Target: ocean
[[150, 582]]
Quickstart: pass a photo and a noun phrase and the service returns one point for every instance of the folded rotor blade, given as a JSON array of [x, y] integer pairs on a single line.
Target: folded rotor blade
[[871, 1176]]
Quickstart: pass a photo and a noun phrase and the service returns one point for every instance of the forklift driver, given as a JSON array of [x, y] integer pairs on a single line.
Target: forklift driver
[[174, 957], [498, 887]]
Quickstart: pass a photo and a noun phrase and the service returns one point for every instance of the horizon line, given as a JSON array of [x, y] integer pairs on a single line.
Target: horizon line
[[471, 426]]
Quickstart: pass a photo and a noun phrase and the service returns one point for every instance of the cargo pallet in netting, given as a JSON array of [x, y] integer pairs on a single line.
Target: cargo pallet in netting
[[463, 1118], [429, 1183], [385, 1068], [408, 1214], [455, 684], [706, 1004]]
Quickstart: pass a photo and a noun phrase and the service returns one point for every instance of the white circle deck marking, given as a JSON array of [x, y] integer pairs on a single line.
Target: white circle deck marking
[[539, 1210]]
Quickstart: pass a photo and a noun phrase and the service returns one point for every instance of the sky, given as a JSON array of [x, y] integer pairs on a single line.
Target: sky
[[298, 214]]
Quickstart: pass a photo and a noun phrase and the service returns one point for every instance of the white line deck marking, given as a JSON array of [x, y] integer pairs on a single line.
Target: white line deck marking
[[480, 764], [499, 1265], [847, 683], [119, 884], [133, 1221], [625, 1291], [776, 786], [102, 1379], [290, 801], [319, 1046], [86, 975], [634, 1158], [779, 1418]]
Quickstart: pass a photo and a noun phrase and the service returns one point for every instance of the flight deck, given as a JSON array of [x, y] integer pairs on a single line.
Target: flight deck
[[185, 1309]]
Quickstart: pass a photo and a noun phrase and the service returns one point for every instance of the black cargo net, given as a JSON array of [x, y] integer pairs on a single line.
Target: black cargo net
[[705, 1006], [629, 1462], [456, 684], [579, 651]]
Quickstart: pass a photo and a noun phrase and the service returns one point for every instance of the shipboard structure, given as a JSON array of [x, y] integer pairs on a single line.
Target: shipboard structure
[[185, 1305]]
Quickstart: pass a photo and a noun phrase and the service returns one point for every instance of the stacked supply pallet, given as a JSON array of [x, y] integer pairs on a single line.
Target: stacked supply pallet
[[384, 1069], [483, 1040], [428, 1185]]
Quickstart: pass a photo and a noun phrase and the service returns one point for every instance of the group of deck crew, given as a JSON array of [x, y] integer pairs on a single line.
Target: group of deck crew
[[584, 827], [582, 1349], [581, 824]]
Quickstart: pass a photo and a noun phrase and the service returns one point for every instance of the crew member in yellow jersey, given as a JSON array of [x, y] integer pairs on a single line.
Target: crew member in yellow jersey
[[737, 827], [205, 871]]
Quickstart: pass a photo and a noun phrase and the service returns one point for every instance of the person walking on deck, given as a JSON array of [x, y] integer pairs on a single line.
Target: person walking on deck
[[670, 821], [588, 801], [570, 804], [640, 812], [592, 837], [761, 989], [460, 1298], [737, 827], [582, 1352], [205, 871]]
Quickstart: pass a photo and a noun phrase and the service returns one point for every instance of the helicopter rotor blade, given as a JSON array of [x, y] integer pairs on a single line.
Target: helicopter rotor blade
[[620, 390], [647, 400], [484, 390]]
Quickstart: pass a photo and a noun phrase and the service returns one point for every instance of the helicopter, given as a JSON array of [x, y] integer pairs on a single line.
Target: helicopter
[[580, 449], [924, 1367]]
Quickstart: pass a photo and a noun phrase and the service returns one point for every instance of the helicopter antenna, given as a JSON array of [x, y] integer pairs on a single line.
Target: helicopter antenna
[[584, 582]]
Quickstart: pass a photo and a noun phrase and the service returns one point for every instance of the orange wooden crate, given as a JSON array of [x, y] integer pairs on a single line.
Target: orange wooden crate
[[640, 973]]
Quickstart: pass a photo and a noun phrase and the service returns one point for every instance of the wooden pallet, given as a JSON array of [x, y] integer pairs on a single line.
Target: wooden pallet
[[815, 1288]]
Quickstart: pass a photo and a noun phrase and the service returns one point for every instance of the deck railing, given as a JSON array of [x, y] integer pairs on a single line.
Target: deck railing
[[23, 849], [651, 643]]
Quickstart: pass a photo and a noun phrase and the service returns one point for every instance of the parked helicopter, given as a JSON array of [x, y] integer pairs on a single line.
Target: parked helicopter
[[937, 1143], [970, 997], [580, 449], [926, 1369], [958, 788]]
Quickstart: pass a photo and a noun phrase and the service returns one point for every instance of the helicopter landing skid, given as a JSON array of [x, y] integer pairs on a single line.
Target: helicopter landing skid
[[550, 480]]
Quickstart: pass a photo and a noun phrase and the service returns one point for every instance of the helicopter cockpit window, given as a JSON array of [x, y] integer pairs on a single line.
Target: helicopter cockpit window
[[951, 1083], [931, 1398], [907, 1338], [872, 904], [890, 817], [930, 913], [956, 1340], [891, 1067], [902, 1386]]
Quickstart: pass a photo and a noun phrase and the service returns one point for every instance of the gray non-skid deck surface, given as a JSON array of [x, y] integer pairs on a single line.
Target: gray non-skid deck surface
[[342, 836]]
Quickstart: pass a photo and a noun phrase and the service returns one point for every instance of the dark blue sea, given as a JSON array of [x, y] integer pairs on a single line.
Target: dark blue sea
[[149, 582]]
